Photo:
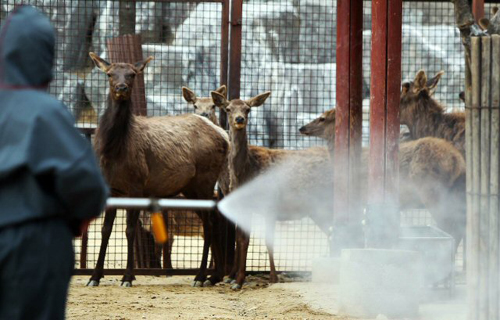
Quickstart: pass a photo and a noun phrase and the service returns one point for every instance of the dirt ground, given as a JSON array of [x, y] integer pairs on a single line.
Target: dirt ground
[[174, 298]]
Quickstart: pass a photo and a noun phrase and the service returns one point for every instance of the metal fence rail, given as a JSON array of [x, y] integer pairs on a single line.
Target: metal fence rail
[[288, 47]]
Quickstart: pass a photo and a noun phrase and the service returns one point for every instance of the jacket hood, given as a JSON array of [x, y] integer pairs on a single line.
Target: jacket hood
[[27, 43]]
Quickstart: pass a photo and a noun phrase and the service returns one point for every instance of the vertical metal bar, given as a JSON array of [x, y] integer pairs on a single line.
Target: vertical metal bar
[[394, 36], [128, 48], [383, 210], [234, 79], [233, 86], [85, 235], [341, 163], [126, 14], [485, 177], [378, 101], [348, 124], [224, 54], [494, 231], [478, 9], [473, 215], [355, 121]]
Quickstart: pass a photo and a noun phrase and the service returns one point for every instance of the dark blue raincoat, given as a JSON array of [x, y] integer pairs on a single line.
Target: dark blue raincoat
[[49, 178]]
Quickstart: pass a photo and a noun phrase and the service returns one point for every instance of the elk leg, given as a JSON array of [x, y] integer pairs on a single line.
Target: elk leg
[[202, 273], [132, 218], [271, 225], [107, 227], [244, 239], [216, 247], [167, 247], [234, 270]]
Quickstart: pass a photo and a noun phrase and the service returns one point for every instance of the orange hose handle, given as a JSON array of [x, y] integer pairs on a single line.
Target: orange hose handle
[[159, 229]]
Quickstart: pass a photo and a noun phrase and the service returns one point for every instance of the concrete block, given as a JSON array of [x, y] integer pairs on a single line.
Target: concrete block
[[326, 270], [378, 281]]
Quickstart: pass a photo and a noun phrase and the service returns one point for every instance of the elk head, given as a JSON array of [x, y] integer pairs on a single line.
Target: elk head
[[321, 127], [416, 93], [203, 106], [121, 75], [237, 110]]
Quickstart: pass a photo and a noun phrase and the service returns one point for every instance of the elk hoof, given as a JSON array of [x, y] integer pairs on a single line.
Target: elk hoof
[[197, 284], [208, 283], [229, 280], [127, 284], [93, 283], [236, 286]]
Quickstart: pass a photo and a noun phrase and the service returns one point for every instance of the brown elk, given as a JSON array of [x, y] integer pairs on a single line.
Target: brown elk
[[246, 162], [431, 172], [156, 157], [425, 117], [203, 106]]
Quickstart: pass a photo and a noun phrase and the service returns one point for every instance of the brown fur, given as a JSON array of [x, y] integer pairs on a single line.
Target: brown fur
[[156, 157], [431, 173], [425, 117], [246, 162]]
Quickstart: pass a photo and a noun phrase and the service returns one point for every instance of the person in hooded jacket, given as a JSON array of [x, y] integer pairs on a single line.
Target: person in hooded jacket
[[50, 182]]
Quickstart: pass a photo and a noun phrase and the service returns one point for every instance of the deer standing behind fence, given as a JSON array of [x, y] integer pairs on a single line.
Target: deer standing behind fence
[[431, 175], [425, 117], [187, 223], [246, 162], [156, 157]]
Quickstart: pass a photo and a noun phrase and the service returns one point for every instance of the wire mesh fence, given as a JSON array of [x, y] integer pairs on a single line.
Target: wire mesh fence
[[288, 47]]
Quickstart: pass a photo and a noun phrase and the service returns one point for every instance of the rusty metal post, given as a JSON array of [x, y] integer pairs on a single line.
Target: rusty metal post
[[233, 92], [224, 54], [234, 79], [478, 9], [348, 125], [383, 198], [127, 15], [128, 48]]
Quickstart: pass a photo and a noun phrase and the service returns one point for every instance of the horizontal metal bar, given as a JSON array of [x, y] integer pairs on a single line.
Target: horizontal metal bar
[[143, 272], [152, 204], [176, 272]]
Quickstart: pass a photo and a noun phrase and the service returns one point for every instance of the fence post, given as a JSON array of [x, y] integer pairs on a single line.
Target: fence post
[[384, 123], [128, 48], [482, 118], [347, 231]]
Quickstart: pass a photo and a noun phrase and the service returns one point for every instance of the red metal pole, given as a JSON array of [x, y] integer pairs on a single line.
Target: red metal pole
[[348, 122], [356, 120], [341, 163], [224, 54], [393, 97], [234, 80], [383, 206], [478, 9], [378, 101]]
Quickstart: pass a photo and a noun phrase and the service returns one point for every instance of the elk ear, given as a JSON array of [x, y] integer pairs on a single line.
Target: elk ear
[[219, 100], [258, 100], [222, 90], [189, 95], [420, 81], [461, 96], [405, 87], [484, 23], [432, 83], [142, 64], [100, 62], [494, 10]]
